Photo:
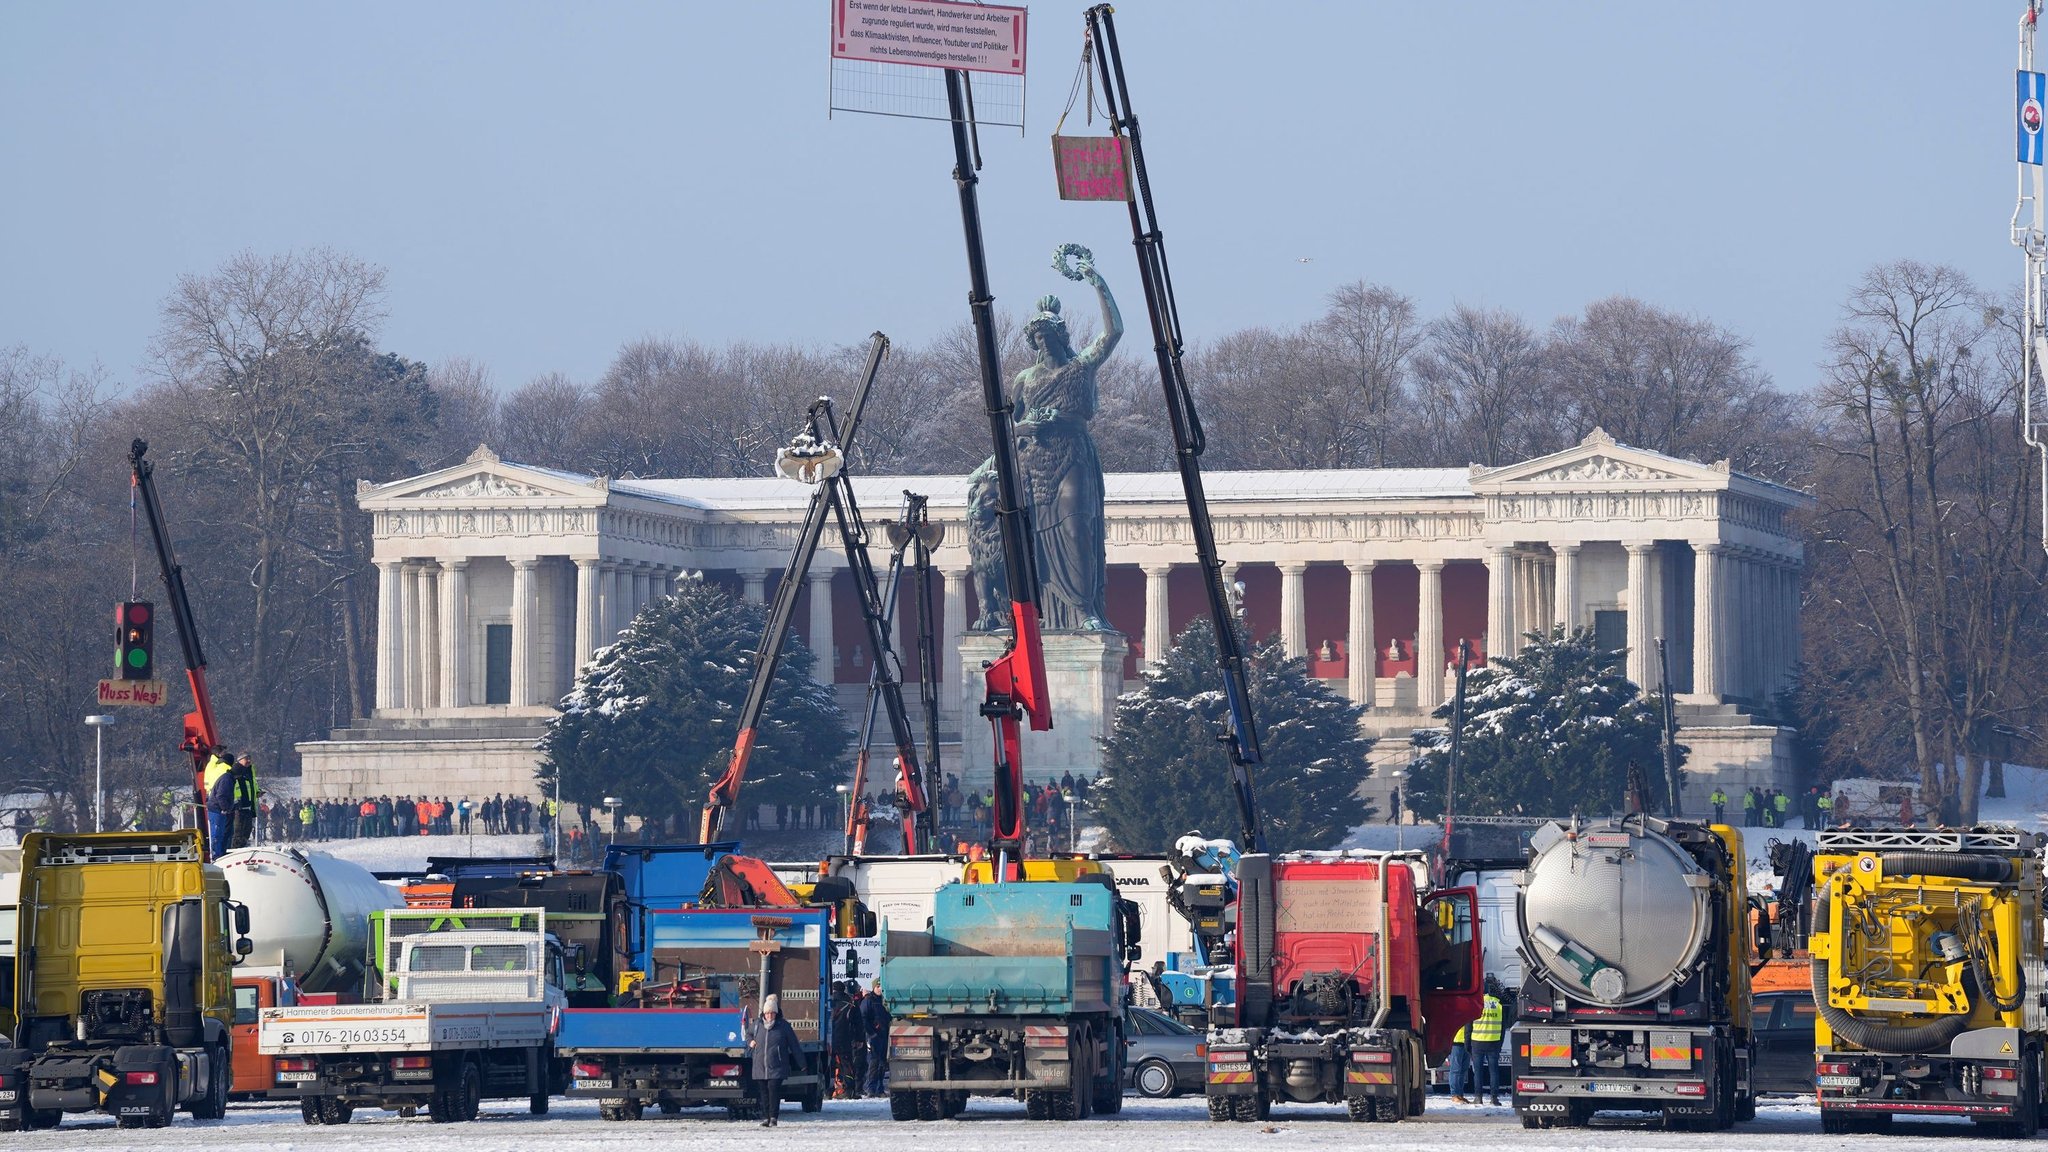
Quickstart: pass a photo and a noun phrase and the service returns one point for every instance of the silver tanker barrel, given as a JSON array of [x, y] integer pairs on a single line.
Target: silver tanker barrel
[[1614, 912], [309, 913]]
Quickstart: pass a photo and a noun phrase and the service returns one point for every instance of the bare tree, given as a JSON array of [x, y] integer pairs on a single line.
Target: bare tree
[[1370, 332], [1482, 388]]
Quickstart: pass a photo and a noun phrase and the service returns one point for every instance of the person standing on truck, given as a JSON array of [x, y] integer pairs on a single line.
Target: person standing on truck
[[1486, 1033], [218, 780], [1719, 799], [874, 1019], [244, 776], [776, 1055]]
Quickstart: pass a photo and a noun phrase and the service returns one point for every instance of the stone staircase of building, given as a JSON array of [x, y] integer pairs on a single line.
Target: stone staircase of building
[[444, 728]]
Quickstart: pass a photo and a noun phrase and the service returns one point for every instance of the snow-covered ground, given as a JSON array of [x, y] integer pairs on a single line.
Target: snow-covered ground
[[1180, 1125]]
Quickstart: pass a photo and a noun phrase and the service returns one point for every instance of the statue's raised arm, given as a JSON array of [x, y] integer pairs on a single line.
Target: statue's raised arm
[[1083, 268]]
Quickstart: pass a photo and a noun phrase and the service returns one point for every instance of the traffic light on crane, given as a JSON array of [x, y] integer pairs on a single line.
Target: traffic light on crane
[[135, 640]]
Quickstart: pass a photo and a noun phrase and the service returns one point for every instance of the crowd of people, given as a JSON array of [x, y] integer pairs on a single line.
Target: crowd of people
[[371, 817]]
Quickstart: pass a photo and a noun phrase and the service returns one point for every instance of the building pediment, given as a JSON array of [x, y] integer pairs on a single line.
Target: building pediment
[[483, 478], [1598, 461]]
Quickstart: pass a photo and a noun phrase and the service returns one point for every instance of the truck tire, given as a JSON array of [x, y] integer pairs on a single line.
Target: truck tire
[[537, 1104], [903, 1105], [219, 1074], [1360, 1108], [1035, 1107], [622, 1109], [929, 1106], [1219, 1109], [814, 1097], [309, 1109], [472, 1088]]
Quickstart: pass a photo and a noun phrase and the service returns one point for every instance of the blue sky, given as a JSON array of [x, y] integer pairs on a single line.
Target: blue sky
[[546, 181]]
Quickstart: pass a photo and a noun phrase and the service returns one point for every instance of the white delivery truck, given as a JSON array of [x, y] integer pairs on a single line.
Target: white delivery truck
[[456, 1015]]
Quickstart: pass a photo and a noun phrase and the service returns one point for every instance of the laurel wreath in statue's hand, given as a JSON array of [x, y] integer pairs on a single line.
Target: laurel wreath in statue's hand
[[1083, 267]]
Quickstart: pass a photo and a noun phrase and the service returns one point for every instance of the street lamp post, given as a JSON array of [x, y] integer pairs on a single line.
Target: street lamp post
[[98, 724], [1400, 833], [612, 804], [845, 811]]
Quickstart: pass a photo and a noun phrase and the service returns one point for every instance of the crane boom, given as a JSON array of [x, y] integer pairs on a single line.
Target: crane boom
[[1189, 441], [725, 791], [2030, 236], [202, 736], [1014, 684]]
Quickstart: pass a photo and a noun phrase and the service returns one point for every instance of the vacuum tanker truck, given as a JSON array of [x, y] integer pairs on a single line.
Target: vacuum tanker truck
[[1635, 945], [309, 918]]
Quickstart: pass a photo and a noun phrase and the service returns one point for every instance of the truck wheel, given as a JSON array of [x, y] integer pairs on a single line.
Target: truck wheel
[[1360, 1108], [928, 1106], [309, 1109], [1034, 1105], [537, 1104], [814, 1097], [903, 1105], [219, 1073], [619, 1109], [1388, 1109], [1219, 1109], [671, 1107], [472, 1089]]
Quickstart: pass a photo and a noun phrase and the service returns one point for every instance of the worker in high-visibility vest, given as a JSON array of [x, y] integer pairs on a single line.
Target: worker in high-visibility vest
[[1719, 799], [1486, 1034], [1460, 1070], [216, 780]]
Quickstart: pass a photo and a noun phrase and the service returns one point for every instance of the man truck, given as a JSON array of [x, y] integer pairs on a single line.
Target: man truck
[[121, 984]]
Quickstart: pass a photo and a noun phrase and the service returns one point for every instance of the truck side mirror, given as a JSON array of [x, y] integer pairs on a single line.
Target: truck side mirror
[[241, 922], [243, 946]]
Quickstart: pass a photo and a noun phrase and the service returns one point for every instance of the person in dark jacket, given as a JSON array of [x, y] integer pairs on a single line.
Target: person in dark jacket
[[874, 1020], [847, 1042], [776, 1055]]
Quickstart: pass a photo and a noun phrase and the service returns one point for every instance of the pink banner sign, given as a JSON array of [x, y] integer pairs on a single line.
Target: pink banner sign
[[1090, 167], [134, 693], [930, 34]]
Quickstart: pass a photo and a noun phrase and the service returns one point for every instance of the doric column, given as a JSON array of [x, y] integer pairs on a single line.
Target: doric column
[[1429, 635], [525, 618], [1158, 627], [427, 637], [1565, 606], [454, 633], [952, 622], [820, 634], [408, 629], [390, 634], [1293, 613], [1739, 619], [589, 608], [754, 585], [1795, 629], [623, 607], [1706, 626], [1360, 656], [1500, 601], [643, 586], [1526, 607], [1639, 654]]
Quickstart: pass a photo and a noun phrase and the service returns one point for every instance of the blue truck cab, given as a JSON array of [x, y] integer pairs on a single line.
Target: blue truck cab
[[1017, 990], [688, 990]]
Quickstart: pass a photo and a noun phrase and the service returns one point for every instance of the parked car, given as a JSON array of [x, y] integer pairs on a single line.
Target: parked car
[[1164, 1057], [1783, 1026]]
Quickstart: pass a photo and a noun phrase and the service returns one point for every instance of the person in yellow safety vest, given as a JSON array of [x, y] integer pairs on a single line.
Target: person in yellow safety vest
[[1825, 804], [1461, 1065], [245, 794], [1781, 804], [1486, 1034], [216, 780], [1719, 799]]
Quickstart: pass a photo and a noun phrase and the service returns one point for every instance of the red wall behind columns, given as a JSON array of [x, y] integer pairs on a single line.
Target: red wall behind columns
[[1124, 600], [1326, 595], [1395, 588], [1185, 600], [1465, 609], [849, 631], [726, 578], [1261, 601]]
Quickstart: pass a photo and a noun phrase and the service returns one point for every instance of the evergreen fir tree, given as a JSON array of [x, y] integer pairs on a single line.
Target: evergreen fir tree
[[652, 721], [1548, 733], [1166, 772]]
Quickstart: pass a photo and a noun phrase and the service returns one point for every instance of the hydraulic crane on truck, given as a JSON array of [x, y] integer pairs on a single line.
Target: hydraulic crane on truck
[[202, 736], [913, 533], [2030, 236], [1014, 690], [818, 456]]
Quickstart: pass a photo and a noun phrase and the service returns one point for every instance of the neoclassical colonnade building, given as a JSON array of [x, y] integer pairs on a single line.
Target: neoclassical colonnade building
[[497, 580]]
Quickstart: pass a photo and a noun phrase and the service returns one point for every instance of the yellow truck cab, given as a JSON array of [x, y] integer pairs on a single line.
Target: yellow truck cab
[[122, 981]]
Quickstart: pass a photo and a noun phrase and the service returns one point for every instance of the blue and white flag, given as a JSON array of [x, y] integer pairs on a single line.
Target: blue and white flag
[[2033, 91]]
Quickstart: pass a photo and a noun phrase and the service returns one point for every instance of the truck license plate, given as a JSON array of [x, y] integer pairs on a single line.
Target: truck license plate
[[593, 1084], [296, 1077], [1611, 1089], [1231, 1066], [1839, 1081]]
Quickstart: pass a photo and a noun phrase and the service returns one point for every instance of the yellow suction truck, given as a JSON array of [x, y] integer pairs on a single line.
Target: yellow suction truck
[[122, 986], [1927, 974]]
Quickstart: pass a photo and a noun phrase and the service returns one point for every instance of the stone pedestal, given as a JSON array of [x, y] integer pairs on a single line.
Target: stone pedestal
[[1085, 673]]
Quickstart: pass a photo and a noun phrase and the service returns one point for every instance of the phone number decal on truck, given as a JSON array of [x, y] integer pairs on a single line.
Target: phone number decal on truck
[[345, 1036]]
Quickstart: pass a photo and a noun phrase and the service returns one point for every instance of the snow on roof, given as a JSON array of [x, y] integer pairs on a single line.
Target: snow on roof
[[757, 493]]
